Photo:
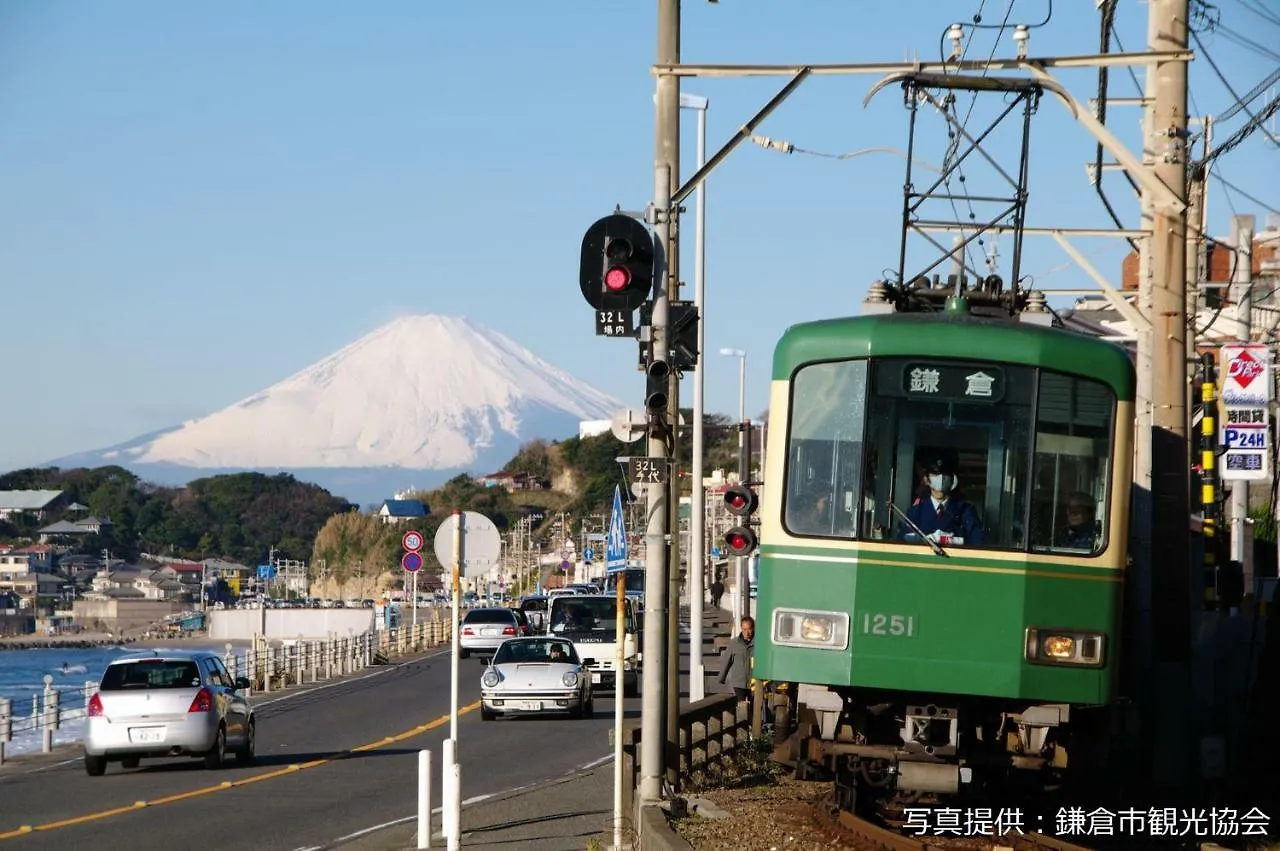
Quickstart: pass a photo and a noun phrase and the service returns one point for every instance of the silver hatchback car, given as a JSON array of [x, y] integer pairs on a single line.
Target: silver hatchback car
[[166, 704]]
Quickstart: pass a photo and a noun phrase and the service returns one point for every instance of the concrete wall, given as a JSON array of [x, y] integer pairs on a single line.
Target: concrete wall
[[121, 616], [242, 624]]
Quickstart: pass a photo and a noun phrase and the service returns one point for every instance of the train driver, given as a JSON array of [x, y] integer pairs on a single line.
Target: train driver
[[1082, 529], [940, 511]]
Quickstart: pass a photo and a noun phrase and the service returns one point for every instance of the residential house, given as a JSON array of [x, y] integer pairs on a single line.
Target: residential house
[[30, 586], [400, 510], [136, 582], [37, 503], [77, 528], [515, 481], [37, 558]]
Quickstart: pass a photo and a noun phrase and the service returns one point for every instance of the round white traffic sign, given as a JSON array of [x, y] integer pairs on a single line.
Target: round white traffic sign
[[629, 425], [412, 541], [481, 543]]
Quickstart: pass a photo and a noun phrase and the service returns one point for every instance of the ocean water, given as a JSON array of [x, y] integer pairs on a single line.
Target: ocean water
[[22, 674]]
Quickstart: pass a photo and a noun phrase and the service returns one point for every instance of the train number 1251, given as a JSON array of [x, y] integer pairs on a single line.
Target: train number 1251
[[880, 624]]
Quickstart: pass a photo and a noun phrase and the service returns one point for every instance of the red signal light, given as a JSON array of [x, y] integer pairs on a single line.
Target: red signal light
[[736, 500], [740, 540], [617, 279]]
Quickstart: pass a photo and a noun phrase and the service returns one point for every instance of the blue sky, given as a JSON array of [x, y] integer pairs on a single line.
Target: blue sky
[[201, 199]]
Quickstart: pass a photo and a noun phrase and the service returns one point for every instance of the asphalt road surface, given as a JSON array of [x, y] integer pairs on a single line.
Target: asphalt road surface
[[331, 762]]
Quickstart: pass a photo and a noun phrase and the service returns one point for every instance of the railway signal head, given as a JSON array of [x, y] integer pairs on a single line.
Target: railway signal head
[[741, 501], [617, 264]]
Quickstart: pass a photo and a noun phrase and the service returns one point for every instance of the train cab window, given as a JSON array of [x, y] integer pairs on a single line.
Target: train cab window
[[824, 453], [970, 420], [1072, 465]]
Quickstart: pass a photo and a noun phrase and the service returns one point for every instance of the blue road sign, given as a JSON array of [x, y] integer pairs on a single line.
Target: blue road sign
[[266, 571], [411, 561], [615, 554], [715, 552], [588, 554]]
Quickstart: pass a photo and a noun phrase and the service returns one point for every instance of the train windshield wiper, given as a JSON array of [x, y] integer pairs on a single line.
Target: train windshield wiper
[[933, 545]]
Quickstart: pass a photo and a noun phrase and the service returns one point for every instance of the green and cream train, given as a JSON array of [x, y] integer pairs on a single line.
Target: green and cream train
[[924, 655]]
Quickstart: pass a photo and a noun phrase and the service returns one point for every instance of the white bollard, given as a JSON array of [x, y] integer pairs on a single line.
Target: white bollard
[[424, 799], [50, 717], [447, 790], [455, 822], [6, 724]]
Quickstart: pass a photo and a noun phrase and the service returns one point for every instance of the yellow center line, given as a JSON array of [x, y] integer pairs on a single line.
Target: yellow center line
[[231, 784]]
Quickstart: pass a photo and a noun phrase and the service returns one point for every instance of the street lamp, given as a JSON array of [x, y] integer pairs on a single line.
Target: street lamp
[[740, 568], [698, 511]]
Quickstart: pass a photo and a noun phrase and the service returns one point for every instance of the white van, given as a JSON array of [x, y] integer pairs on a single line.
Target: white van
[[590, 622]]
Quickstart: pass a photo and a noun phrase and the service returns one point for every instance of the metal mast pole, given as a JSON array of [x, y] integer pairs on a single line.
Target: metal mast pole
[[1170, 461], [697, 510], [666, 156]]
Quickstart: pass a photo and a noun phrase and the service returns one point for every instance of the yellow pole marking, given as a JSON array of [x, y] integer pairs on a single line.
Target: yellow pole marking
[[231, 784]]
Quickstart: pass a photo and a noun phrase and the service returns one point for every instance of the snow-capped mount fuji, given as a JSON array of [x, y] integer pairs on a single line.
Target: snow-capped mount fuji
[[435, 394]]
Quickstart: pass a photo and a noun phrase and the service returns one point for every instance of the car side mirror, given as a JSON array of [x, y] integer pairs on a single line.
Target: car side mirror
[[588, 662], [242, 684]]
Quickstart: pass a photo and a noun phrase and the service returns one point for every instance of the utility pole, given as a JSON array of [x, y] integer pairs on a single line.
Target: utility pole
[[1169, 450], [666, 164], [1242, 295]]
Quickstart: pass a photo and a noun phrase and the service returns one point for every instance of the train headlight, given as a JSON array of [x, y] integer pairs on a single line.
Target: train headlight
[[812, 629], [1065, 647]]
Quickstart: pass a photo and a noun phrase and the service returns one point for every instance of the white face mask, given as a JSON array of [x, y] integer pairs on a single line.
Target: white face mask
[[943, 483]]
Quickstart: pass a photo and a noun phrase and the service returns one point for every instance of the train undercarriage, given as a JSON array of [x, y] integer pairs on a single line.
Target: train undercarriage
[[894, 748]]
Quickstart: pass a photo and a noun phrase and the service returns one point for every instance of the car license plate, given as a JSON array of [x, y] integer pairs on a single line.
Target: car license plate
[[529, 705], [489, 631], [595, 678], [146, 735]]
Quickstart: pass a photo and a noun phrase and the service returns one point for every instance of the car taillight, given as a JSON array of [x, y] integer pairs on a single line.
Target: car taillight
[[202, 702], [95, 706], [466, 630], [508, 630]]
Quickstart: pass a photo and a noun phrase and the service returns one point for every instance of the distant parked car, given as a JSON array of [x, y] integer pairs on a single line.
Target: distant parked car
[[533, 676], [173, 703], [484, 630]]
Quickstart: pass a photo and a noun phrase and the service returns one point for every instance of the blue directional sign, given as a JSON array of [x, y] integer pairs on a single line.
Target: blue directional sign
[[588, 554], [715, 552], [615, 554], [266, 571]]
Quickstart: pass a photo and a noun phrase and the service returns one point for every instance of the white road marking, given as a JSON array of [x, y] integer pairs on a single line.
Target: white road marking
[[468, 802]]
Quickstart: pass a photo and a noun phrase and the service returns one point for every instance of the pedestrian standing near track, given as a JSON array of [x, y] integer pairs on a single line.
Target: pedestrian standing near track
[[738, 661], [717, 591]]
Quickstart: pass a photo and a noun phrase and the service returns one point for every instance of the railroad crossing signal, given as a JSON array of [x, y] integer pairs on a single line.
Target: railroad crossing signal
[[616, 273], [741, 501]]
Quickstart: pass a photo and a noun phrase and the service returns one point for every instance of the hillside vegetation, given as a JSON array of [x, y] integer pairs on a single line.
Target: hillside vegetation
[[241, 517]]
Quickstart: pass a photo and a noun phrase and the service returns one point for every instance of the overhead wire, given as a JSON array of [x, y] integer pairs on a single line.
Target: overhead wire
[[1227, 84]]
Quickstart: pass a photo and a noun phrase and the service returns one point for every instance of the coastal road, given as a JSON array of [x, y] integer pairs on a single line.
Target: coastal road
[[331, 761]]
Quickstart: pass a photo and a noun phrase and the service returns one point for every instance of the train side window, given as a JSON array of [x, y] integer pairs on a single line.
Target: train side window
[[824, 453], [1071, 467]]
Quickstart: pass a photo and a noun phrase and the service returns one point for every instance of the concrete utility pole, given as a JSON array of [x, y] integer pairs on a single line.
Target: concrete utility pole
[[666, 168], [1169, 450], [1242, 295]]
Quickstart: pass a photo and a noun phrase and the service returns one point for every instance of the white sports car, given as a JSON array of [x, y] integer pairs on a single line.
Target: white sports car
[[535, 675]]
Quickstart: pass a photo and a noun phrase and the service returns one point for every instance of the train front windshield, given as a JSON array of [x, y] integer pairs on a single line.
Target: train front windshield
[[1028, 449]]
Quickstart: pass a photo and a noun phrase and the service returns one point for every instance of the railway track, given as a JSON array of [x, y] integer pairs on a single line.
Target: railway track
[[868, 835]]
